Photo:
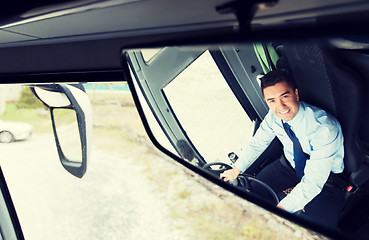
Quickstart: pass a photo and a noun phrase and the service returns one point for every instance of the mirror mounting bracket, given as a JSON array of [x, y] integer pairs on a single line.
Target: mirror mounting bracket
[[244, 10]]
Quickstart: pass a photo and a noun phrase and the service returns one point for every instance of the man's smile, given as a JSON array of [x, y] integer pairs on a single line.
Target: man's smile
[[285, 111]]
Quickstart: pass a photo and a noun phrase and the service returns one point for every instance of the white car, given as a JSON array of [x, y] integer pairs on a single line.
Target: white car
[[12, 131]]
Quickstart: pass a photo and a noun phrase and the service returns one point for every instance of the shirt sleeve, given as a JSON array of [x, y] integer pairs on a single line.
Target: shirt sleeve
[[327, 145], [257, 144]]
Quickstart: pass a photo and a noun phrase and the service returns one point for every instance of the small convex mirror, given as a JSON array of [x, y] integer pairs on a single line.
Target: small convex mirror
[[71, 116], [66, 125]]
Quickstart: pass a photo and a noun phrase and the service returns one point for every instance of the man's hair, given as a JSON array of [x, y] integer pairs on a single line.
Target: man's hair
[[274, 77]]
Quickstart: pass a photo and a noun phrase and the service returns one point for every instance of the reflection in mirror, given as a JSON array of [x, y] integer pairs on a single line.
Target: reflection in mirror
[[207, 110], [208, 102], [153, 123], [68, 133], [52, 99], [193, 104]]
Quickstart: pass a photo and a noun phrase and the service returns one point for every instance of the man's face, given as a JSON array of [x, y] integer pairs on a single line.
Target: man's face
[[282, 100]]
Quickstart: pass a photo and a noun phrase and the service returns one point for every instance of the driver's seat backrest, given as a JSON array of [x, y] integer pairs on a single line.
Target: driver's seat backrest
[[359, 62], [324, 82]]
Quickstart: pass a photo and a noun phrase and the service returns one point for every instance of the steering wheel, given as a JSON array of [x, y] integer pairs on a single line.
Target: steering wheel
[[243, 180], [216, 167]]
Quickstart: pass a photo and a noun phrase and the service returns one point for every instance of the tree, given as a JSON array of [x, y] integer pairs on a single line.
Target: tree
[[28, 100]]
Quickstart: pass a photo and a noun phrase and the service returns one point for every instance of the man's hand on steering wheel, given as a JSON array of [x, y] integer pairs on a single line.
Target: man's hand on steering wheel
[[244, 180], [230, 174]]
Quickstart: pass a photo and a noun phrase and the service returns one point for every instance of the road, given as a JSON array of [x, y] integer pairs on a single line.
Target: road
[[112, 201]]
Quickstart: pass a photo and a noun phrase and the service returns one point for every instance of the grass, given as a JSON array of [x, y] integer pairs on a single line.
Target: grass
[[39, 118], [65, 116]]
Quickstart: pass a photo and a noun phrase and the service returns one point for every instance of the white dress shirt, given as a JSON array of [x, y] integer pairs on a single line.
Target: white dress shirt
[[320, 136]]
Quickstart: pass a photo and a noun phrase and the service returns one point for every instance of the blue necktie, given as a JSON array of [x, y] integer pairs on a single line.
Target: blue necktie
[[298, 156]]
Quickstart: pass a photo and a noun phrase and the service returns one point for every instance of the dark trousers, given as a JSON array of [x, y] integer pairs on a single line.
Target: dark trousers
[[323, 209]]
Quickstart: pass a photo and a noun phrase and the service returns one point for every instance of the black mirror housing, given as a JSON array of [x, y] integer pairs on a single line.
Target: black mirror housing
[[74, 99]]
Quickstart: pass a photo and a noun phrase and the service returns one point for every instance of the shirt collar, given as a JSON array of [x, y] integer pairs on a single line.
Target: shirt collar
[[298, 118]]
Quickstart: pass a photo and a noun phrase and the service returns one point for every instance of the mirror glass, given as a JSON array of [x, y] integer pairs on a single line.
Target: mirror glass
[[208, 104], [66, 125], [52, 99]]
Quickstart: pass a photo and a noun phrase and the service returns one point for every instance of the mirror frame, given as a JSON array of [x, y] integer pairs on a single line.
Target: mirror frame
[[84, 116], [126, 61]]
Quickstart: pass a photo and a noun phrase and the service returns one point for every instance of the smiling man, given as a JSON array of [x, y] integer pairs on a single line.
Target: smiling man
[[313, 153]]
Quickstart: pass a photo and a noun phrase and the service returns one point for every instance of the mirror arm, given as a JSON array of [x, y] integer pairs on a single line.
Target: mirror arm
[[244, 10]]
